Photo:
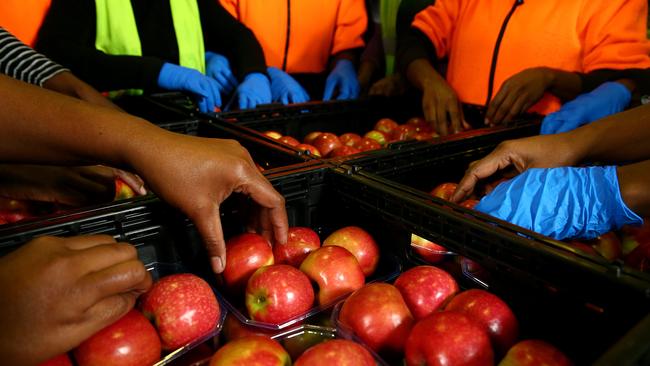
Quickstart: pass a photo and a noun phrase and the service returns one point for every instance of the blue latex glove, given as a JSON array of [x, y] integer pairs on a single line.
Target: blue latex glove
[[174, 77], [344, 79], [254, 90], [218, 68], [285, 89], [607, 99], [562, 202]]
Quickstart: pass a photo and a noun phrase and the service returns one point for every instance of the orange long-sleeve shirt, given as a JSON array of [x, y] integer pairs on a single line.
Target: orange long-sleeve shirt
[[316, 29], [574, 36], [23, 18]]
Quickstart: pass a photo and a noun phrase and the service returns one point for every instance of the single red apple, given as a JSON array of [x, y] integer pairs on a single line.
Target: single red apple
[[469, 203], [633, 236], [60, 360], [639, 258], [420, 124], [14, 210], [245, 253], [300, 242], [350, 139], [183, 308], [608, 245], [326, 142], [122, 190], [309, 139], [377, 314], [378, 136], [277, 293], [273, 134], [130, 341], [492, 313], [234, 329], [428, 250], [336, 352], [288, 140], [367, 144], [360, 243], [403, 133], [344, 151], [336, 271], [251, 350], [448, 338], [309, 148], [386, 125], [426, 289], [444, 190], [534, 352]]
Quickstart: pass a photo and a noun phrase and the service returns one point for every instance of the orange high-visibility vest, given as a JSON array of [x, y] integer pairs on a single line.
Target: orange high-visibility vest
[[299, 36], [574, 36], [23, 18]]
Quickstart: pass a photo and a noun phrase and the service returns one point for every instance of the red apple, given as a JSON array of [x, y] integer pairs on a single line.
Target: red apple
[[377, 314], [426, 289], [428, 250], [335, 270], [336, 352], [183, 307], [359, 243], [420, 125], [386, 125], [639, 258], [350, 139], [344, 151], [130, 341], [14, 210], [252, 350], [608, 245], [633, 236], [367, 144], [234, 329], [277, 293], [122, 190], [533, 352], [300, 242], [309, 148], [444, 190], [583, 247], [326, 142], [469, 204], [60, 360], [309, 139], [378, 136], [403, 133], [492, 313], [448, 338], [288, 140], [273, 134], [245, 253]]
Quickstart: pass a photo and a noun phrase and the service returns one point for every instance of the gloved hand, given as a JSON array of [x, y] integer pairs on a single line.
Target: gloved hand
[[562, 202], [218, 68], [607, 99], [285, 89], [344, 79], [254, 90], [174, 77]]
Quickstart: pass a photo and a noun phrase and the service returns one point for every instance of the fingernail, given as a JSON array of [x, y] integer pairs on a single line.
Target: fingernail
[[217, 264], [142, 190], [486, 121]]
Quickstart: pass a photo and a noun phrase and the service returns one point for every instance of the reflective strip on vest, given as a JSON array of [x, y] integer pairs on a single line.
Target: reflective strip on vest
[[117, 33]]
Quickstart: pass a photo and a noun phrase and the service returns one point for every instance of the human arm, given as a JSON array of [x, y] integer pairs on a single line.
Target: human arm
[[57, 292], [68, 84], [193, 174]]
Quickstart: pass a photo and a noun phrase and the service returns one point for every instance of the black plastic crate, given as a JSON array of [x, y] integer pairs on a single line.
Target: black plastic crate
[[159, 109]]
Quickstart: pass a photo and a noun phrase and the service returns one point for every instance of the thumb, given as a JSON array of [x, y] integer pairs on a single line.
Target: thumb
[[208, 223]]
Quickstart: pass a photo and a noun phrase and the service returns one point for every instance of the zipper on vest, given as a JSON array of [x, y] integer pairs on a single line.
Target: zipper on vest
[[286, 43], [495, 53]]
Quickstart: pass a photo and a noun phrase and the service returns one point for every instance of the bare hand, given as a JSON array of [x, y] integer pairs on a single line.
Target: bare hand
[[520, 92], [197, 174], [57, 292], [71, 186], [389, 86], [546, 151], [442, 108]]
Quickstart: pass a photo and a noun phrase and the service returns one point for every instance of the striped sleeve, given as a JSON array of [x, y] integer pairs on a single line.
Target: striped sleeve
[[23, 63]]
